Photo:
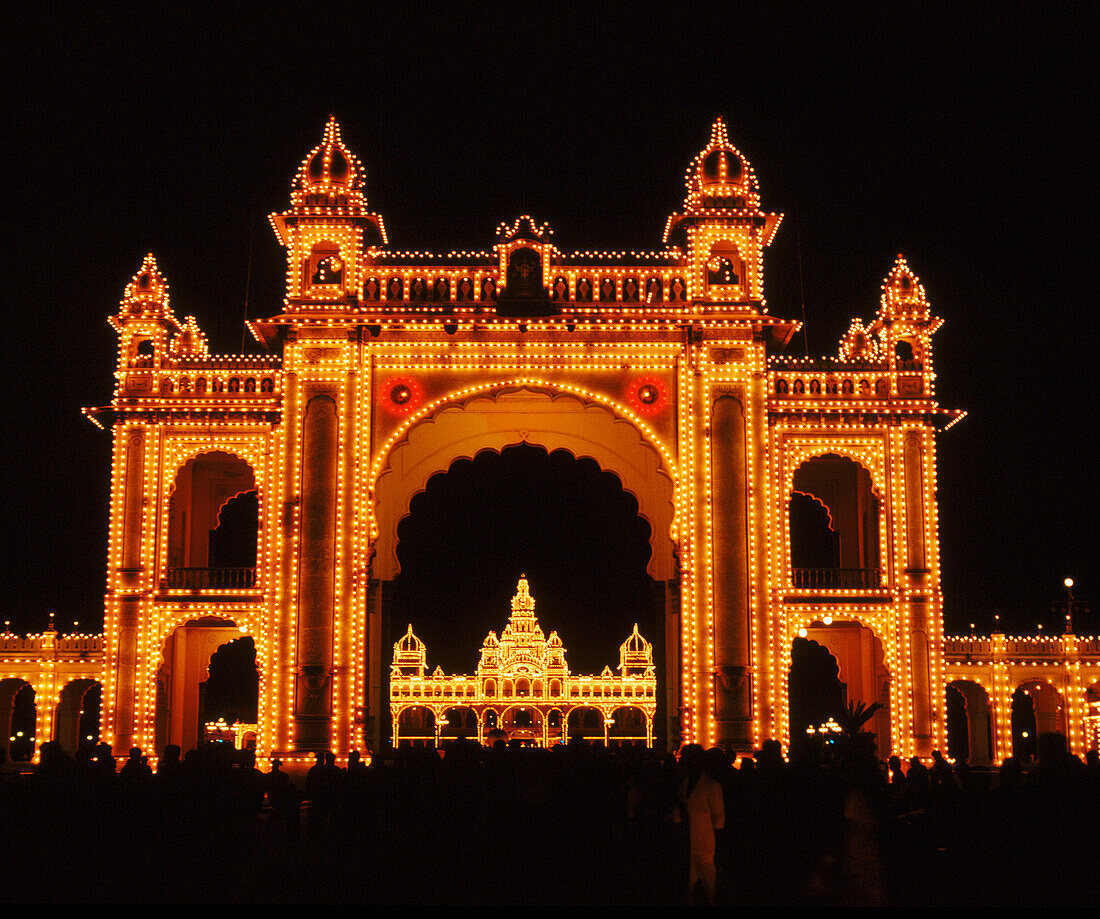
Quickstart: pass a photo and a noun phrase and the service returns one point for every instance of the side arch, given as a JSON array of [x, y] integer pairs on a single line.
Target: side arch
[[503, 415]]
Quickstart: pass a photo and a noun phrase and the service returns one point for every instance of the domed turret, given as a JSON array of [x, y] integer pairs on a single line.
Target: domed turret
[[147, 292], [145, 323], [902, 294], [635, 654], [409, 655], [726, 230], [330, 175], [720, 176]]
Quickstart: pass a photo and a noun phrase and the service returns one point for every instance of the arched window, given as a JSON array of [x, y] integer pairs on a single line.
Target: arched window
[[213, 524], [834, 525], [726, 269], [326, 267]]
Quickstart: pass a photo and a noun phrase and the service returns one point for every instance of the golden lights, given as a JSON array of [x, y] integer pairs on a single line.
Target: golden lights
[[654, 338], [522, 687]]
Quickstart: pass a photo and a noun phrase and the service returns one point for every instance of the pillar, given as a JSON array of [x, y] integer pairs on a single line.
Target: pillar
[[730, 559], [316, 576]]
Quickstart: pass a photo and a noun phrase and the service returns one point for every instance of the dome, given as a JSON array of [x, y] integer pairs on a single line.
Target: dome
[[903, 293], [720, 176], [635, 643], [330, 175], [147, 288], [409, 643]]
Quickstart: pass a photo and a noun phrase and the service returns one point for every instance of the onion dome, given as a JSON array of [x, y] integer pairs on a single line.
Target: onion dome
[[720, 176], [408, 643], [635, 653], [331, 175], [903, 294], [553, 641], [491, 641]]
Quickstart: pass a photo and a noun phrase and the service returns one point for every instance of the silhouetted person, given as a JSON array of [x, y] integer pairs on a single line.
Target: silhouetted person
[[705, 809]]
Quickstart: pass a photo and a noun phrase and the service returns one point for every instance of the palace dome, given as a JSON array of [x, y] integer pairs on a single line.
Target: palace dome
[[720, 176], [331, 172]]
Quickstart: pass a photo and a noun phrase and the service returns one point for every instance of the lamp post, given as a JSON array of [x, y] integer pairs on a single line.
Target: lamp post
[[1069, 605]]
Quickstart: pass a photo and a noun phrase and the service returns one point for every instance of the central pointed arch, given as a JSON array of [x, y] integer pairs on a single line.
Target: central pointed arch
[[467, 423]]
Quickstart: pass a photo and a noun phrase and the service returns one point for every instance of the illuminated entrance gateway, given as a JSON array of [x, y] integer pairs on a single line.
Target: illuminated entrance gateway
[[783, 495], [523, 689]]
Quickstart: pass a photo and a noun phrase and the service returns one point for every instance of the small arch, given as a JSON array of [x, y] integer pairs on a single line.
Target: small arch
[[18, 718], [969, 723], [200, 541], [724, 267], [458, 721], [585, 722], [1037, 708], [76, 719], [325, 267], [845, 490], [416, 722]]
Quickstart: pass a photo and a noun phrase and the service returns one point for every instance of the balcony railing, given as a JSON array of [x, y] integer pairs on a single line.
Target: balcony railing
[[837, 578], [211, 578]]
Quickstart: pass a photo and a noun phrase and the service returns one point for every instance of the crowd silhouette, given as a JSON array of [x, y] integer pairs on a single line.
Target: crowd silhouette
[[577, 823]]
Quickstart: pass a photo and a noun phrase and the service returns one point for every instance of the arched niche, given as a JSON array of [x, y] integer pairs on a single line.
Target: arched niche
[[76, 719], [969, 723], [185, 666], [497, 420], [844, 491], [861, 668], [212, 526]]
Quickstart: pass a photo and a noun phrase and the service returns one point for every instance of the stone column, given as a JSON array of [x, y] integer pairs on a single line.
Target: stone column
[[730, 558], [316, 575], [914, 504], [379, 656]]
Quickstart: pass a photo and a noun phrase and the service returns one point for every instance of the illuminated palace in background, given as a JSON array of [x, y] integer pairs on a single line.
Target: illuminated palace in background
[[523, 690], [785, 496]]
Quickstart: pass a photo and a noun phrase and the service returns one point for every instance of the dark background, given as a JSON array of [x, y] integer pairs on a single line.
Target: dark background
[[964, 141]]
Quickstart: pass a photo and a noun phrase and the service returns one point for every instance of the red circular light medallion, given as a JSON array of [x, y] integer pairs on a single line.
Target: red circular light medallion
[[648, 396], [401, 395]]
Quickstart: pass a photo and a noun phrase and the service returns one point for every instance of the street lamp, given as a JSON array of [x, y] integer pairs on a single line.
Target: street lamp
[[1069, 605]]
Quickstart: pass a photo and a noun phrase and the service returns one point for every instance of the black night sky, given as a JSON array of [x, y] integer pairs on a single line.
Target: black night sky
[[965, 143]]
